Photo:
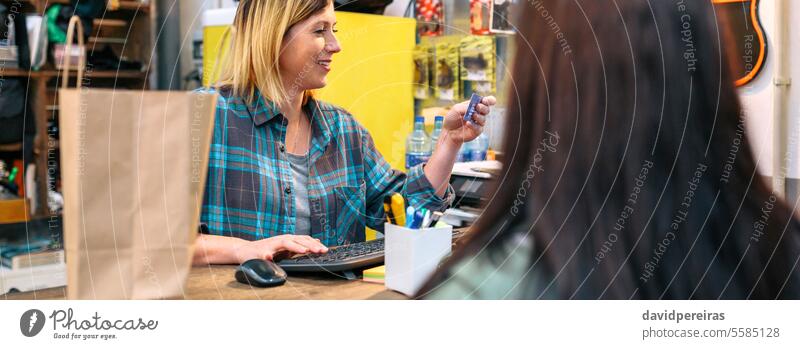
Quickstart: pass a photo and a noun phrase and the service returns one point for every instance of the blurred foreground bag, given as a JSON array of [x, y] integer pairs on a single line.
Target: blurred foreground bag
[[134, 164]]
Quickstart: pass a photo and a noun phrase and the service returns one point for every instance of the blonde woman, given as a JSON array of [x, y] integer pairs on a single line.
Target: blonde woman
[[291, 174]]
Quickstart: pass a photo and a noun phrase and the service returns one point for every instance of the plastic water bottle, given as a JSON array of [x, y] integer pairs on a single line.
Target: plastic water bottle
[[418, 144], [462, 153], [437, 130], [480, 147], [467, 151]]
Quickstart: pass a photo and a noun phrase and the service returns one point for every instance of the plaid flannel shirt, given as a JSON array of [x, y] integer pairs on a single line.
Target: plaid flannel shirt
[[249, 190]]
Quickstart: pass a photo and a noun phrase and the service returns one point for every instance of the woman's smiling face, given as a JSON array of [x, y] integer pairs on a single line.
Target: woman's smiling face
[[307, 51]]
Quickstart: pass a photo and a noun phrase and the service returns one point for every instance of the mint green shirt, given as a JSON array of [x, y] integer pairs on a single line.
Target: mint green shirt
[[505, 274]]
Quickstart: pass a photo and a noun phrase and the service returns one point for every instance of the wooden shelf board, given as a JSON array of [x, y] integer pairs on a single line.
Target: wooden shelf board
[[10, 147], [122, 74]]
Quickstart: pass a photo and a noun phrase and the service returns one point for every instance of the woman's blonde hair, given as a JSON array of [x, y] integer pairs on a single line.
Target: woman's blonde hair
[[251, 62]]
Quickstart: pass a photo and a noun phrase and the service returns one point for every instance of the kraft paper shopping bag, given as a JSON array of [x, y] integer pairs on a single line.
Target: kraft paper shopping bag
[[134, 165]]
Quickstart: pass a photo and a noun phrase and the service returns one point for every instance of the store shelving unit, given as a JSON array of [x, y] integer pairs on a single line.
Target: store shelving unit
[[128, 30]]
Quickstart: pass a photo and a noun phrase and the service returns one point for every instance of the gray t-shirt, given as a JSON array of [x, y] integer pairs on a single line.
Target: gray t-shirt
[[299, 164]]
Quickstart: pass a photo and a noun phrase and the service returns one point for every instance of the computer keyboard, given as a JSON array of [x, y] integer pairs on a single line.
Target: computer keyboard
[[340, 258], [346, 257]]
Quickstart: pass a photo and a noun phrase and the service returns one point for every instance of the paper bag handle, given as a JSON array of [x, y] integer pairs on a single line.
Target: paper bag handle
[[74, 22]]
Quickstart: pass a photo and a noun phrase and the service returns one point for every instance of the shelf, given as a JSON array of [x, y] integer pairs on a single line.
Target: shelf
[[116, 41], [38, 5], [112, 74], [108, 22], [139, 20], [134, 5], [100, 74], [10, 147], [14, 72], [128, 5]]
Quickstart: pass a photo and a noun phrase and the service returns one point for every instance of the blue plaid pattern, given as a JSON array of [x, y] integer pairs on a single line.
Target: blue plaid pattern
[[249, 190]]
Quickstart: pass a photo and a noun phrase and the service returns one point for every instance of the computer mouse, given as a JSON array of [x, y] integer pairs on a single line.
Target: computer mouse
[[260, 273]]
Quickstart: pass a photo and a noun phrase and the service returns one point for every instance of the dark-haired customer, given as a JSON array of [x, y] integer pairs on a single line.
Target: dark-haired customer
[[628, 171]]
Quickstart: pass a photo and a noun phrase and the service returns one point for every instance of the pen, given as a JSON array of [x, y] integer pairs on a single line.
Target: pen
[[410, 216], [435, 218], [419, 217], [426, 218]]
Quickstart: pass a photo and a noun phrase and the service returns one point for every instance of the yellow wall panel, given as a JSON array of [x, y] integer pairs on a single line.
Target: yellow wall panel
[[372, 78]]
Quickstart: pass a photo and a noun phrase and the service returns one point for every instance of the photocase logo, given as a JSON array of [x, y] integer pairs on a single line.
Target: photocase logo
[[31, 322]]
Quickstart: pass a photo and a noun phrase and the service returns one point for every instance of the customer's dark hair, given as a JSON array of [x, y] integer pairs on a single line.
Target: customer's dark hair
[[651, 188]]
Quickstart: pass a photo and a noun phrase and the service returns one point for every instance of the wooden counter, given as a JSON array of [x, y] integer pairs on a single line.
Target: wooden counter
[[217, 282]]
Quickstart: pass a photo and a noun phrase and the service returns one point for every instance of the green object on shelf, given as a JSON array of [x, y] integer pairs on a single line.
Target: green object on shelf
[[12, 175], [54, 33]]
